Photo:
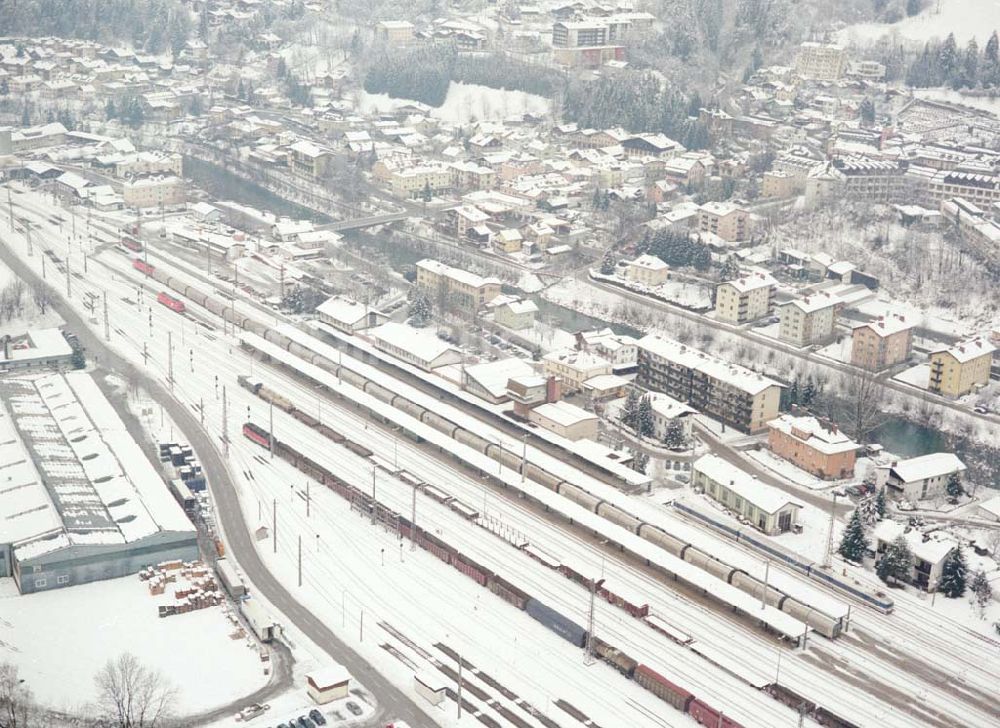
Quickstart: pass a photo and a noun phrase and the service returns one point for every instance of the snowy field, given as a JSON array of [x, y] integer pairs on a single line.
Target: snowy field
[[786, 470], [964, 18], [917, 376], [39, 634], [465, 104], [31, 317]]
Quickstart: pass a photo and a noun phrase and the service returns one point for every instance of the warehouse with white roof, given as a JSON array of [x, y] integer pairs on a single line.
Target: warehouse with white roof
[[79, 499], [766, 507]]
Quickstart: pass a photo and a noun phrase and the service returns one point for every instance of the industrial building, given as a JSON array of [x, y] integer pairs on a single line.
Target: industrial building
[[80, 501]]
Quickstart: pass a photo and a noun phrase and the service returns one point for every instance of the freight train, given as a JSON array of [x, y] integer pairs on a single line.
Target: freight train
[[825, 624], [552, 619]]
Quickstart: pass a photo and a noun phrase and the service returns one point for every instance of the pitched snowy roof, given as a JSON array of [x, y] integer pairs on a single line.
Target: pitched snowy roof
[[494, 375], [887, 326], [563, 413], [817, 435], [932, 465], [761, 495], [732, 374], [968, 350]]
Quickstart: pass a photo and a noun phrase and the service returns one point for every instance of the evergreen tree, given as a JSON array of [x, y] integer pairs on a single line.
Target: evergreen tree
[[241, 91], [608, 263], [4, 87], [948, 62], [913, 7], [629, 414], [880, 503], [953, 574], [110, 112], [991, 54], [808, 393], [954, 487], [197, 106], [982, 592], [970, 64], [77, 359], [869, 511], [854, 542], [639, 461], [420, 309], [990, 72], [867, 112], [428, 194], [673, 436], [896, 562], [730, 269], [644, 417], [26, 116]]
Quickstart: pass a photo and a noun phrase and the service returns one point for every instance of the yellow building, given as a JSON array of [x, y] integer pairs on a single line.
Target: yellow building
[[468, 290], [962, 368]]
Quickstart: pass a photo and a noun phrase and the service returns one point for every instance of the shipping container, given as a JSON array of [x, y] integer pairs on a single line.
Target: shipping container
[[662, 688], [229, 579], [561, 625], [248, 384]]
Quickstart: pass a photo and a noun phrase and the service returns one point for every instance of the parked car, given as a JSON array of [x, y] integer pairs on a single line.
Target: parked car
[[304, 722], [353, 707], [980, 410], [317, 717]]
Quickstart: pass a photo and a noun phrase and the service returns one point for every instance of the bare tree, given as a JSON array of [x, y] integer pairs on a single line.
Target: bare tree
[[863, 405], [41, 294], [130, 695], [16, 703]]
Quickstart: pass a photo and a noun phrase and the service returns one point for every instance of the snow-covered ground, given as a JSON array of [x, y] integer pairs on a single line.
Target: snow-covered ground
[[60, 639], [917, 376], [964, 18], [787, 470], [465, 104]]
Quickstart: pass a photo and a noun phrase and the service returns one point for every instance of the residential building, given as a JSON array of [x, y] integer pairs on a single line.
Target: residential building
[[416, 181], [418, 347], [145, 163], [619, 349], [745, 299], [574, 367], [923, 477], [468, 291], [769, 509], [394, 32], [147, 192], [517, 315], [977, 229], [808, 320], [349, 316], [647, 270], [527, 392], [667, 409], [729, 393], [929, 552], [882, 343], [776, 183], [817, 446], [566, 420], [585, 43], [308, 160], [605, 387], [962, 368], [821, 61], [724, 219]]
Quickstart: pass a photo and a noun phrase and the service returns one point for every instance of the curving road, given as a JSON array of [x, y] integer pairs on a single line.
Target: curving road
[[393, 702]]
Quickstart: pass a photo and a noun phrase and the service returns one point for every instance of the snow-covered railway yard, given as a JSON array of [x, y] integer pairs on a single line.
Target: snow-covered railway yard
[[860, 676]]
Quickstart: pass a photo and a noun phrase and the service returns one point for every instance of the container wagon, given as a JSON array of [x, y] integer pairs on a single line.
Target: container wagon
[[662, 688], [561, 625]]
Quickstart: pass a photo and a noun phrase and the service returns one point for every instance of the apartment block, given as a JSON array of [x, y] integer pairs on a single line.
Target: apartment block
[[817, 446], [308, 160], [882, 343], [575, 367], [724, 219], [808, 320], [648, 270], [732, 394], [821, 61], [394, 32], [154, 192], [745, 299], [470, 291], [962, 368]]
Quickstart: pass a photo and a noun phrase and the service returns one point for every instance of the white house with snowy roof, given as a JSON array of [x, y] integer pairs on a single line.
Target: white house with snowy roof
[[923, 477]]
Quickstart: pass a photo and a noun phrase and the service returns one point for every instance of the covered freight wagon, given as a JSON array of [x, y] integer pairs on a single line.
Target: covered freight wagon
[[561, 625]]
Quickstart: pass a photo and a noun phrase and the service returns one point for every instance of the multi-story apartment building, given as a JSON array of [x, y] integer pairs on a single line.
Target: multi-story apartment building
[[144, 163], [821, 61], [146, 192], [976, 229], [807, 320], [585, 43], [394, 32], [745, 299], [308, 160], [874, 179], [724, 219], [769, 509], [817, 446], [468, 290], [732, 394], [962, 368], [413, 182], [648, 270], [777, 183], [575, 367], [882, 343]]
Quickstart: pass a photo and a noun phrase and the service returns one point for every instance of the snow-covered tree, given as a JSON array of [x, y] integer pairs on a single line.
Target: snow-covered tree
[[629, 414], [730, 269], [673, 436], [854, 542], [954, 487], [867, 112], [608, 263], [868, 508], [420, 306], [982, 592], [639, 461], [880, 503], [896, 562], [644, 417], [953, 574]]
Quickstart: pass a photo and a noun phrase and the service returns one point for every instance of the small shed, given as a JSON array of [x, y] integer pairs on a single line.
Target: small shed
[[328, 683], [430, 686]]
